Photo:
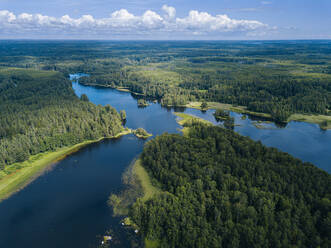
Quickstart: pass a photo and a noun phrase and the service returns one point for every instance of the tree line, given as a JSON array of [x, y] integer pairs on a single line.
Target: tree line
[[40, 112], [225, 190]]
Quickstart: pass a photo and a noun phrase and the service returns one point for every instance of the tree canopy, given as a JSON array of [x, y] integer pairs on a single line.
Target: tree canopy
[[39, 112], [225, 190]]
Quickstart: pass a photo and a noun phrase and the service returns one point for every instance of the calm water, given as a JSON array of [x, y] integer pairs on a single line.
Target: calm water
[[66, 207]]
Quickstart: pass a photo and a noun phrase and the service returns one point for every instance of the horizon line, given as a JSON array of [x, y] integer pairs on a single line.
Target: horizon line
[[167, 40]]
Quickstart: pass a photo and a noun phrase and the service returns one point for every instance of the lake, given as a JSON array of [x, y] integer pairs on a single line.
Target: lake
[[67, 205]]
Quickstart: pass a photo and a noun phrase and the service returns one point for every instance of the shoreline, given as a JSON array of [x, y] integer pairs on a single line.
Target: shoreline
[[186, 118], [308, 118], [37, 164], [123, 89]]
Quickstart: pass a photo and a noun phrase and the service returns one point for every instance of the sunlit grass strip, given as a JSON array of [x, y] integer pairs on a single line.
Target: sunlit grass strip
[[148, 189], [230, 107], [187, 119], [323, 120], [151, 243], [36, 164]]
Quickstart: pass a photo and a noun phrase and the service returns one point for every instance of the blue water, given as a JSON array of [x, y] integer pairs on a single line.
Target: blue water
[[303, 140], [67, 206], [300, 139]]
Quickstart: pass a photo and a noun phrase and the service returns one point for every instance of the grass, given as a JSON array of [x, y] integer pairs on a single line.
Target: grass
[[36, 74], [148, 192], [156, 72], [230, 107], [139, 186], [186, 118], [323, 120], [19, 175], [148, 189], [151, 243]]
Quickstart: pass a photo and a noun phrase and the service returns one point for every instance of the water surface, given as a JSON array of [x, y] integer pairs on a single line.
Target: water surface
[[66, 207]]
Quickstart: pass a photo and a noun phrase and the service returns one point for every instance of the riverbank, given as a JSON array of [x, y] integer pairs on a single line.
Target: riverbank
[[19, 175], [139, 185], [113, 87], [149, 190], [324, 121], [187, 119]]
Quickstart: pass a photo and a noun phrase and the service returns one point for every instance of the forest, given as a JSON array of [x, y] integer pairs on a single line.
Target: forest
[[40, 112], [279, 78], [220, 189]]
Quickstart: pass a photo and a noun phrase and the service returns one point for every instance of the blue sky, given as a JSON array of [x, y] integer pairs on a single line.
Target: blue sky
[[166, 19]]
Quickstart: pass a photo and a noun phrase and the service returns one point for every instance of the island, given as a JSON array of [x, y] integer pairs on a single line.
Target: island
[[142, 103], [141, 133]]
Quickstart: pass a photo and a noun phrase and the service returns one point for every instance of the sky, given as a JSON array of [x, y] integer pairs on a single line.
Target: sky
[[166, 19]]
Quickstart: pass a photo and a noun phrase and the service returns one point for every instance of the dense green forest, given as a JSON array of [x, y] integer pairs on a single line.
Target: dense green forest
[[221, 189], [39, 112], [274, 77]]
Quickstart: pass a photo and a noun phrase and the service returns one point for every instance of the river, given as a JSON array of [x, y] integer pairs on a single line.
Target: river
[[67, 205]]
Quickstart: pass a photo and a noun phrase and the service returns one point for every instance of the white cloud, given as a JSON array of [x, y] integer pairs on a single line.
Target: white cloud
[[121, 22], [151, 19], [6, 16], [203, 21], [170, 12]]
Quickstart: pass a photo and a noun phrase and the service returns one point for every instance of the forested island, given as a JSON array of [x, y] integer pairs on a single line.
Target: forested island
[[220, 189]]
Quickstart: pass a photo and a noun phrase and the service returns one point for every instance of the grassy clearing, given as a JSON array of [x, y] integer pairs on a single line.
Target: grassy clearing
[[18, 175], [148, 189], [148, 192], [186, 118], [138, 185], [151, 243], [323, 121], [230, 107], [157, 72], [36, 74]]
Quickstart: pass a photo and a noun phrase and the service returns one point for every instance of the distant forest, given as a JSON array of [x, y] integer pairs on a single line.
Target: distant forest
[[221, 189], [275, 77], [39, 112]]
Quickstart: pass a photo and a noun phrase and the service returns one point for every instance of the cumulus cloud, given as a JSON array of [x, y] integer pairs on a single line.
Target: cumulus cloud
[[122, 22], [170, 12]]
